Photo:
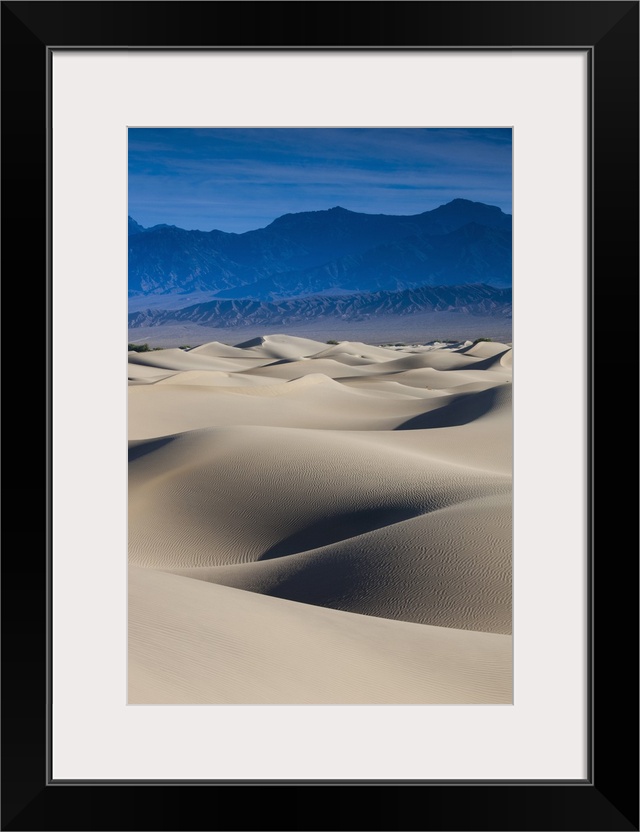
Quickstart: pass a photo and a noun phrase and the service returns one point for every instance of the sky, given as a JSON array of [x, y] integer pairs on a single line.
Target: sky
[[241, 179]]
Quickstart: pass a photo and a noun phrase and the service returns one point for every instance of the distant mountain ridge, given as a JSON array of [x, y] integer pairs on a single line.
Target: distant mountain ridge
[[470, 300], [331, 252], [472, 253]]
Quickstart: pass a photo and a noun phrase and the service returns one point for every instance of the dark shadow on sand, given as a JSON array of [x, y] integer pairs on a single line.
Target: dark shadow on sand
[[337, 528], [141, 447], [460, 410]]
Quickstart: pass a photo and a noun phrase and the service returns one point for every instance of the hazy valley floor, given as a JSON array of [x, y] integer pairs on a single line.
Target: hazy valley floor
[[377, 330], [314, 523]]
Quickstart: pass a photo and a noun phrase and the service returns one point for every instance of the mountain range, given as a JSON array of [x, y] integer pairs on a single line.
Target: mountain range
[[324, 263], [469, 300]]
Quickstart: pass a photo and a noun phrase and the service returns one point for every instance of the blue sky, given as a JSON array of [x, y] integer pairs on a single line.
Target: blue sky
[[240, 179]]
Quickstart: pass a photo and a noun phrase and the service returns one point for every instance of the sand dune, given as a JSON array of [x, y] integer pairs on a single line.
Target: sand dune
[[215, 349], [195, 642], [282, 346], [434, 577], [484, 349], [216, 378], [295, 478], [189, 360], [357, 350], [296, 507]]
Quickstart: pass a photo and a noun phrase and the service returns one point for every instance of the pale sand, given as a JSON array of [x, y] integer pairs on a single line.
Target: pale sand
[[313, 523], [196, 642]]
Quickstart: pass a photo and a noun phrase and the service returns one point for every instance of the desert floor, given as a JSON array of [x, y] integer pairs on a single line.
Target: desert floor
[[377, 329], [326, 524]]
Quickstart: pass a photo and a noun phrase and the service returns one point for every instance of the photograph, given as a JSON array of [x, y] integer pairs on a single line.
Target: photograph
[[319, 416], [312, 562]]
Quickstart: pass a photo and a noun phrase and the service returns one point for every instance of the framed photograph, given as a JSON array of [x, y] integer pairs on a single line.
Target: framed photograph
[[323, 472], [406, 676]]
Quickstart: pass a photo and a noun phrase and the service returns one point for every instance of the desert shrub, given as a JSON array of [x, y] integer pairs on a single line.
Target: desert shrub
[[478, 340], [332, 342], [143, 348]]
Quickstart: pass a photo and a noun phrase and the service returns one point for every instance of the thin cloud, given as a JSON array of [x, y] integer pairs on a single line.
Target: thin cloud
[[224, 178]]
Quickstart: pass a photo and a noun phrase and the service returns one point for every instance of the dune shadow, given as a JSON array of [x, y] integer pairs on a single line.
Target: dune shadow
[[141, 447], [336, 528], [460, 410], [488, 363], [279, 362], [483, 363], [252, 342]]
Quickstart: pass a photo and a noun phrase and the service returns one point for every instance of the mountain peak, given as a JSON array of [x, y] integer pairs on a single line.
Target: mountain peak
[[135, 227], [469, 205], [459, 200]]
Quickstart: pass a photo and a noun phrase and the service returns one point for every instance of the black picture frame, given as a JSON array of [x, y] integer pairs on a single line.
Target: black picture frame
[[608, 798]]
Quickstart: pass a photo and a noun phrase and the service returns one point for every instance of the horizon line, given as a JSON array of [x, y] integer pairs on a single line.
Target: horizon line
[[319, 211]]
